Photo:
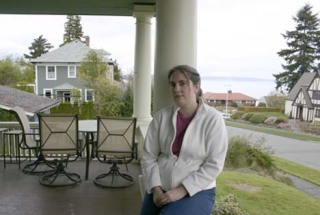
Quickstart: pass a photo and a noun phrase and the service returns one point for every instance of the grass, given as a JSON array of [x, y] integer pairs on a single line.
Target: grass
[[258, 194], [298, 170], [274, 131], [261, 195]]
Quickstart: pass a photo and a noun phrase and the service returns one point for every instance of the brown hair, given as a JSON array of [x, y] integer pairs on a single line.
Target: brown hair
[[191, 74]]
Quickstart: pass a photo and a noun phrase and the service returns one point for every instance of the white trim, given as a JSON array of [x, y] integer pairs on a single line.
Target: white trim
[[46, 90]]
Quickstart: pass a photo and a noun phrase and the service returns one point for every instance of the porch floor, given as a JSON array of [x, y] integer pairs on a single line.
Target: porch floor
[[22, 194]]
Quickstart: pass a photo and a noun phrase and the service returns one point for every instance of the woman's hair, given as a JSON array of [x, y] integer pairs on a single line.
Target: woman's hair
[[191, 74]]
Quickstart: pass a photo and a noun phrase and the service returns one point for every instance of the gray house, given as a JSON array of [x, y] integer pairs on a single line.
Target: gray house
[[303, 101], [56, 72]]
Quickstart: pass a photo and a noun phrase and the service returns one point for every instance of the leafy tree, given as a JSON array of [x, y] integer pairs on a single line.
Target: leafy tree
[[9, 72], [39, 47], [73, 29], [94, 73], [302, 54]]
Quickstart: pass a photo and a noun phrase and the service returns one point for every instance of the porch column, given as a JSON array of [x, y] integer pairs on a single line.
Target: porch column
[[176, 43], [142, 63]]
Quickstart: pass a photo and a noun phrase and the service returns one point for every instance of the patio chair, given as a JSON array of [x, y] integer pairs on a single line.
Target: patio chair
[[115, 145], [59, 142], [29, 141]]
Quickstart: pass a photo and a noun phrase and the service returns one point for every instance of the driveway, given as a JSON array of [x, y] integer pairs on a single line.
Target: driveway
[[306, 153]]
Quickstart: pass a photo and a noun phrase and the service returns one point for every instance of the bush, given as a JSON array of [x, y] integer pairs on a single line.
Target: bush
[[247, 116], [257, 118], [242, 152], [237, 115], [228, 205]]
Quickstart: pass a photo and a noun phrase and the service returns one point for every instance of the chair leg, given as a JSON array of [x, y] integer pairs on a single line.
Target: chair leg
[[40, 166], [114, 178], [59, 177]]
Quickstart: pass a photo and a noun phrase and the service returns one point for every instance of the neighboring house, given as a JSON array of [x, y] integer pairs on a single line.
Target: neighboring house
[[57, 72], [29, 102], [303, 101], [271, 101], [216, 99]]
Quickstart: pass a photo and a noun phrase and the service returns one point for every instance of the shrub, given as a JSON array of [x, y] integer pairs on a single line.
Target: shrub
[[228, 205], [242, 152], [257, 118], [237, 115], [247, 116]]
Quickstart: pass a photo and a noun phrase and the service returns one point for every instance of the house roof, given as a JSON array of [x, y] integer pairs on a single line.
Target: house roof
[[223, 96], [31, 103], [305, 80], [73, 52], [307, 97]]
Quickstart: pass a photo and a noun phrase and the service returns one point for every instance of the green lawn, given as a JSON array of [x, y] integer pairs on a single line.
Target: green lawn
[[258, 194], [261, 195]]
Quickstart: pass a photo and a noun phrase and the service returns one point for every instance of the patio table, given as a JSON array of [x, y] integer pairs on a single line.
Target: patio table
[[89, 129]]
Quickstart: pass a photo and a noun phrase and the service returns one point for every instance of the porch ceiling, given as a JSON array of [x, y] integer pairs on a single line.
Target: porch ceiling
[[71, 7]]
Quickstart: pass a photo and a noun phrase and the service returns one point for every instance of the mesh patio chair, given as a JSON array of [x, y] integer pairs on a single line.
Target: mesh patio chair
[[30, 142], [115, 145], [59, 143]]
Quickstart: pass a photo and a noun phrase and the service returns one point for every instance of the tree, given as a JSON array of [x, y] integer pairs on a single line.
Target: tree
[[117, 76], [73, 29], [9, 72], [39, 47], [302, 54], [94, 73]]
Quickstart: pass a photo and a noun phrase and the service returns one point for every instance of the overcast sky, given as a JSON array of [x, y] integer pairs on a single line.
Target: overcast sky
[[238, 40]]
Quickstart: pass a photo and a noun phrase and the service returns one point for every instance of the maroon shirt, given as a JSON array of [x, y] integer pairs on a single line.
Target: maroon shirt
[[182, 125]]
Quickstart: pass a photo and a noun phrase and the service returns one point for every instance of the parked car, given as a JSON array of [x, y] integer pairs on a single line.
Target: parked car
[[226, 115]]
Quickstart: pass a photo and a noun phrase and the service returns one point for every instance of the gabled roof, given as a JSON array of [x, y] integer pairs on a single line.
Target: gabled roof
[[31, 103], [73, 52], [223, 96], [304, 81], [306, 97]]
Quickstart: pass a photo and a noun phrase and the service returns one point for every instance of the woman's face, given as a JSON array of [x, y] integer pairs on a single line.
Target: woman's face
[[183, 91]]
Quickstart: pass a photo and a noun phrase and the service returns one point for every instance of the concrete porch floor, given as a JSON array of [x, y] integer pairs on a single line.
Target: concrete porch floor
[[22, 194]]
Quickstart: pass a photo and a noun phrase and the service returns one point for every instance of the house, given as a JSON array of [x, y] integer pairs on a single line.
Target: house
[[271, 101], [218, 99], [56, 72], [29, 102], [303, 101]]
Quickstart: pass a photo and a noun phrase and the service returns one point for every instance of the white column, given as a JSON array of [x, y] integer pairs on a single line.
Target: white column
[[142, 63], [176, 43]]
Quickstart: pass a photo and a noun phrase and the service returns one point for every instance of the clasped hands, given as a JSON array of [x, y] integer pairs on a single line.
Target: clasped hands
[[161, 198]]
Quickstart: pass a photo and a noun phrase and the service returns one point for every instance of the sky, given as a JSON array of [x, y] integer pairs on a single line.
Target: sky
[[238, 40]]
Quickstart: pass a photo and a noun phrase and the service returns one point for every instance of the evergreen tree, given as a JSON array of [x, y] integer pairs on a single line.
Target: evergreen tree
[[302, 54], [39, 47], [117, 73], [73, 29]]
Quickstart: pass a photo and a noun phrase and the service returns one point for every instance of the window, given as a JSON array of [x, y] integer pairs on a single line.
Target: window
[[51, 73], [316, 94], [317, 113], [47, 93], [89, 95], [72, 72]]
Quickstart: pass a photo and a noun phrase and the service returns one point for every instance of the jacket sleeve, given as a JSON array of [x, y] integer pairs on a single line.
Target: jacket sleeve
[[150, 153], [216, 147]]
